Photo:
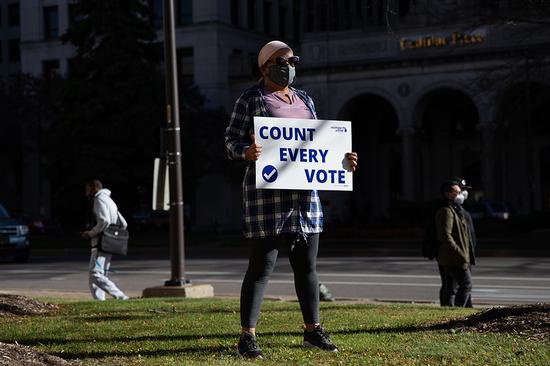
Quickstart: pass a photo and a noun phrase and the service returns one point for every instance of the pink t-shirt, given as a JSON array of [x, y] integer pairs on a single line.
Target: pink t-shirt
[[278, 107]]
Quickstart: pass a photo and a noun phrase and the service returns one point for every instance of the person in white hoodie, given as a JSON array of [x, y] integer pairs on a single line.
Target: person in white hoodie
[[106, 213]]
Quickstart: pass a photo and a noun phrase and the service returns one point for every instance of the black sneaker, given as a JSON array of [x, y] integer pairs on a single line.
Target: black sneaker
[[248, 346], [318, 338]]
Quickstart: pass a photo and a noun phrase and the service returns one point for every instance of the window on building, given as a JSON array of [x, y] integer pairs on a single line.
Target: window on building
[[373, 12], [253, 61], [235, 12], [184, 12], [489, 4], [334, 9], [310, 16], [186, 68], [282, 21], [14, 53], [71, 66], [71, 7], [50, 69], [404, 7], [13, 14], [156, 13], [51, 22], [515, 4], [323, 11], [296, 18], [381, 13], [370, 8], [347, 15], [74, 16], [238, 63], [251, 6], [268, 12]]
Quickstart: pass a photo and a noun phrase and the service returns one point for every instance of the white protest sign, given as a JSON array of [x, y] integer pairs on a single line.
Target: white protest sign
[[303, 154]]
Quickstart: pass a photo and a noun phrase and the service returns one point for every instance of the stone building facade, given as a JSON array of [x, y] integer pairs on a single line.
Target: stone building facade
[[434, 88]]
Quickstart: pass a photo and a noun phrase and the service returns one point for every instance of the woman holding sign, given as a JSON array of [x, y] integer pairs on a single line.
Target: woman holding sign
[[277, 218]]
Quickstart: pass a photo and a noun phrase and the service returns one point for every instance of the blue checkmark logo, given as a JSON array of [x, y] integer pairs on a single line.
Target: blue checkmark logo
[[270, 173]]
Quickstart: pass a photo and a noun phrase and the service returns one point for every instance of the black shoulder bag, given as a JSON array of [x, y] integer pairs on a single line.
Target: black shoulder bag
[[114, 240]]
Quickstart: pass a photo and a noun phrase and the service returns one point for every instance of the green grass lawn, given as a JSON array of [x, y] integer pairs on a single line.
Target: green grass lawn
[[204, 332]]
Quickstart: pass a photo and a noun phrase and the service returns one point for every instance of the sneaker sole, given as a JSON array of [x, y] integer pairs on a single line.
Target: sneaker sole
[[311, 345], [259, 357]]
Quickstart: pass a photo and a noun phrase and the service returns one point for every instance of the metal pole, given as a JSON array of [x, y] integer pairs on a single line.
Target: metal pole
[[173, 154], [529, 137]]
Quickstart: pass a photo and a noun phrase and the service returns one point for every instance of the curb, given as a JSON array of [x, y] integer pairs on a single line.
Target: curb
[[240, 252]]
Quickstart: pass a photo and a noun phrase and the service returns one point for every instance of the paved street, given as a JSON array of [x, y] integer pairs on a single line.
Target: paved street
[[496, 280]]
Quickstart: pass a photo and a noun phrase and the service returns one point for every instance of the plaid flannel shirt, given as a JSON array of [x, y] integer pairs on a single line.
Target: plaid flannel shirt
[[269, 212]]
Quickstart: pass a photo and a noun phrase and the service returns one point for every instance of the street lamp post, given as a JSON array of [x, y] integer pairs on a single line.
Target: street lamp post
[[173, 153], [176, 286]]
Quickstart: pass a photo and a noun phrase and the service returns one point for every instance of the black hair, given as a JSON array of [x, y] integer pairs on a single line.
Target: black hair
[[95, 183]]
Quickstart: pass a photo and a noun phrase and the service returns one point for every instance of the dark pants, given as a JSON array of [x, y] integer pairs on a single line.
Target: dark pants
[[447, 292], [302, 254], [456, 289]]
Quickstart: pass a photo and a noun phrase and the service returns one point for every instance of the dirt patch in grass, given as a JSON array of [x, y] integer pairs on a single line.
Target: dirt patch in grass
[[21, 305], [15, 354], [530, 320]]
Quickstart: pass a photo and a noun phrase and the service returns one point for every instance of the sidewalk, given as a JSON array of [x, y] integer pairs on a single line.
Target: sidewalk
[[233, 246]]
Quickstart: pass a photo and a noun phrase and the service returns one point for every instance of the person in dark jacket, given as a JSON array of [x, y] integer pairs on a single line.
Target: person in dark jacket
[[464, 192], [430, 248], [454, 236], [473, 240]]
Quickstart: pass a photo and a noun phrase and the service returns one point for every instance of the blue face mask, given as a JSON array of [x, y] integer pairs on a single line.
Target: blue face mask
[[282, 75]]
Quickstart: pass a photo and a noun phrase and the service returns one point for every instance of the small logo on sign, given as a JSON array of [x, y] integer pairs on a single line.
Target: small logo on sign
[[339, 129], [269, 173]]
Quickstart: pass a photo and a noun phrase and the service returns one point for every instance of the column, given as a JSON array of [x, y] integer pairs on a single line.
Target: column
[[408, 178], [63, 9], [488, 159], [243, 13], [260, 27], [275, 31]]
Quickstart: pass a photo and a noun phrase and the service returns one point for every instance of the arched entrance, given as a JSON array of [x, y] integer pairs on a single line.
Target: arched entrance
[[523, 145], [377, 182], [449, 142]]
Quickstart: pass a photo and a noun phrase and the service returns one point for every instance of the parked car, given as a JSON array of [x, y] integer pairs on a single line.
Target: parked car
[[39, 224], [14, 237], [499, 210]]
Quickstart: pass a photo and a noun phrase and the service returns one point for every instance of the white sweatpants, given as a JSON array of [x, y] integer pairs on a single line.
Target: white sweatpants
[[99, 282]]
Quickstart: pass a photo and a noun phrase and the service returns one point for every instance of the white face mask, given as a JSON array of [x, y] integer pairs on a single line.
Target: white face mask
[[461, 198]]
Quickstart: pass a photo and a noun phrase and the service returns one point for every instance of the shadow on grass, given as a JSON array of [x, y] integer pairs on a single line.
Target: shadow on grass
[[158, 338], [164, 310], [150, 353], [207, 349], [225, 336], [402, 329], [109, 318], [413, 328]]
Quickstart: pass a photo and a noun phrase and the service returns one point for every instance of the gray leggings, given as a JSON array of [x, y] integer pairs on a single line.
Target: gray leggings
[[302, 253]]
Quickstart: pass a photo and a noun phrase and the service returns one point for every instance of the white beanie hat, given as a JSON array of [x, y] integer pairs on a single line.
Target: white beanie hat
[[269, 49]]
